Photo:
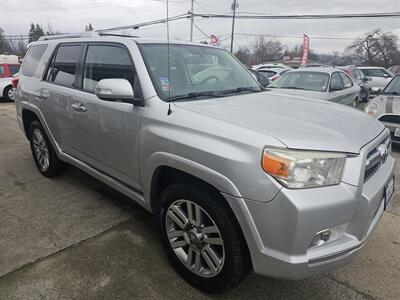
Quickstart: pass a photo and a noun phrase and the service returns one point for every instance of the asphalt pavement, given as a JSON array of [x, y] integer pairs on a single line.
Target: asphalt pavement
[[73, 238]]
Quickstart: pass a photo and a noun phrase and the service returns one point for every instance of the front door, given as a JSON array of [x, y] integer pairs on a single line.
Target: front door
[[106, 133]]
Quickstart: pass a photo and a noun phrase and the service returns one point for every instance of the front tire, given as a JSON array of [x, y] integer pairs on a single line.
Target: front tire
[[47, 162], [202, 238]]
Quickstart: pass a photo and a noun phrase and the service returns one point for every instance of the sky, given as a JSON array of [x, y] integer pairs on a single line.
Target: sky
[[72, 16]]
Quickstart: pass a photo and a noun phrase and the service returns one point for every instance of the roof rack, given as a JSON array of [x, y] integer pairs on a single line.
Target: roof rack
[[115, 34], [68, 36]]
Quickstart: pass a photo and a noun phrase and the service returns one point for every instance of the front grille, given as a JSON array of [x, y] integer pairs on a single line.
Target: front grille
[[390, 119], [376, 157]]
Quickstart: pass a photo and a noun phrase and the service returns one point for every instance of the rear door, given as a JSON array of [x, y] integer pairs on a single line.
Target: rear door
[[57, 94]]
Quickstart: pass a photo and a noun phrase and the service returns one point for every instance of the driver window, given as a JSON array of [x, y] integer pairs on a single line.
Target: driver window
[[346, 81], [106, 61]]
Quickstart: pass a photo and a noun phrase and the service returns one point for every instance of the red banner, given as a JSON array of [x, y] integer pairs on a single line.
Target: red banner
[[306, 47], [214, 40]]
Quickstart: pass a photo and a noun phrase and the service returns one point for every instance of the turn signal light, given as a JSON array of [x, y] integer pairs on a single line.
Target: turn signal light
[[14, 82], [275, 165]]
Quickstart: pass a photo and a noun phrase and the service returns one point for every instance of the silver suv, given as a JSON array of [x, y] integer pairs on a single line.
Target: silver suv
[[240, 178]]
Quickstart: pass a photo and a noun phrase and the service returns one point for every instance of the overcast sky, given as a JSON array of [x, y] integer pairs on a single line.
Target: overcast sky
[[73, 15]]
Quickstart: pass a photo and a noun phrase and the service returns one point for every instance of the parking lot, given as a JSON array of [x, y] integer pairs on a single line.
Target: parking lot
[[72, 237]]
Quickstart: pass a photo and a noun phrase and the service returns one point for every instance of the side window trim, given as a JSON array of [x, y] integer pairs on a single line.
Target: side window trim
[[51, 61], [84, 56]]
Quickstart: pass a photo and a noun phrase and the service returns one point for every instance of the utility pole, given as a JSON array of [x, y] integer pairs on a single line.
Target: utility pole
[[235, 5], [191, 22]]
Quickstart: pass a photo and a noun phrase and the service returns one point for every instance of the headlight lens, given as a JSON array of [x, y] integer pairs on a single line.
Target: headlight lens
[[303, 169], [372, 108]]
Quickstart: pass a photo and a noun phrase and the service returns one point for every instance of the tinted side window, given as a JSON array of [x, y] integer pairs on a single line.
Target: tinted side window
[[32, 59], [64, 65], [13, 69], [2, 71], [347, 82], [106, 61], [336, 82]]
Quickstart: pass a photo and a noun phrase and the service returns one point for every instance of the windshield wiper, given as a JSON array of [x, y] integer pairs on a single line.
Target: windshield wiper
[[241, 89], [194, 95], [293, 88], [391, 93]]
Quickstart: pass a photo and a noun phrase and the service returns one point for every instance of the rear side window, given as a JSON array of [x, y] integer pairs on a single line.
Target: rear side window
[[336, 82], [106, 61], [13, 69], [375, 73], [2, 71], [347, 82], [32, 59], [63, 67]]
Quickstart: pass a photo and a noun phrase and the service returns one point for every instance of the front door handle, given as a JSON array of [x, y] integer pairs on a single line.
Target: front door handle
[[78, 107], [42, 97]]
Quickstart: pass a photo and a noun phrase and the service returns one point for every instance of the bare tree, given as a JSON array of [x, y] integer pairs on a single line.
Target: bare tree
[[375, 48], [244, 55], [266, 49]]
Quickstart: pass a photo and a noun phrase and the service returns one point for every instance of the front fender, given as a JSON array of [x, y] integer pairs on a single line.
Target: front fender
[[160, 159]]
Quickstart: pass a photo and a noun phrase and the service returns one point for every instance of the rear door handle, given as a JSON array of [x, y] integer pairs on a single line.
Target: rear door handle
[[42, 97], [78, 107]]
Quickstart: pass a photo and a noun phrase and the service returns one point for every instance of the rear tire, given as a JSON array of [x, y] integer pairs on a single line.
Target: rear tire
[[8, 94], [191, 259], [44, 155]]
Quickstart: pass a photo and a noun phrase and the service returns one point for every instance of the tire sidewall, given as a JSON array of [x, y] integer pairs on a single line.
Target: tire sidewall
[[5, 94], [227, 230], [54, 163]]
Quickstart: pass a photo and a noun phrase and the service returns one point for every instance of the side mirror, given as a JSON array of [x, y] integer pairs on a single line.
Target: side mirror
[[115, 89], [368, 78]]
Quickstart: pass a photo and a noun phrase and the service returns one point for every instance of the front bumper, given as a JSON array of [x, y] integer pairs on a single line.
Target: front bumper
[[279, 232]]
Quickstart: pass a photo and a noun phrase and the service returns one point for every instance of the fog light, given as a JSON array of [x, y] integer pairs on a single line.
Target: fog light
[[321, 238]]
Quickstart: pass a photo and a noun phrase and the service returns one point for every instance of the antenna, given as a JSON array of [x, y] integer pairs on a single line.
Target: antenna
[[169, 70]]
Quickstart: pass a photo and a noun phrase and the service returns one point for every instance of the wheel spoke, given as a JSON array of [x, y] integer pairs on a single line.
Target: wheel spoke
[[176, 220], [209, 229], [190, 258], [190, 212], [175, 233], [178, 244], [211, 253], [179, 212], [198, 215], [209, 259], [197, 262], [214, 241]]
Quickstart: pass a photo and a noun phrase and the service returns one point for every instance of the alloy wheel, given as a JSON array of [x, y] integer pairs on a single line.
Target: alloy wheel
[[10, 94], [41, 150], [195, 238]]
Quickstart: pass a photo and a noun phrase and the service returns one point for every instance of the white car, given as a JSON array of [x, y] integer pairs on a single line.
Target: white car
[[378, 77], [7, 70], [328, 84], [272, 74], [275, 66]]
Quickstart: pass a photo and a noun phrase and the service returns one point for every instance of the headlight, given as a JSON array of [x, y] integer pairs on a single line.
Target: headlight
[[372, 108], [303, 169]]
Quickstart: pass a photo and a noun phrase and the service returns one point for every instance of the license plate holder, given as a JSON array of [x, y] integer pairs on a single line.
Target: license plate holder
[[389, 192]]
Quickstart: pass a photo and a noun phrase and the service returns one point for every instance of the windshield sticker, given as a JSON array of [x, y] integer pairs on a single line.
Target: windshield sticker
[[164, 83]]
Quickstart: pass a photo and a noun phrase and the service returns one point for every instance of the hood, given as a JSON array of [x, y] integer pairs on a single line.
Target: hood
[[298, 123]]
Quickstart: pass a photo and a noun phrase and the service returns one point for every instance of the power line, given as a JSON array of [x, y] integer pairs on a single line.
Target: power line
[[256, 16]]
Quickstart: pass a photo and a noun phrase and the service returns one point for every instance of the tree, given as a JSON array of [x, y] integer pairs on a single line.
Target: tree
[[266, 49], [89, 27], [35, 32], [244, 55], [4, 45], [375, 48], [18, 46]]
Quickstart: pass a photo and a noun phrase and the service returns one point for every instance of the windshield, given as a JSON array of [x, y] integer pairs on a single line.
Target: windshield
[[194, 69], [310, 81], [393, 88]]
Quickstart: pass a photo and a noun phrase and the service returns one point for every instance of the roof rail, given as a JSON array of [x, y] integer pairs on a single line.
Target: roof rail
[[68, 36]]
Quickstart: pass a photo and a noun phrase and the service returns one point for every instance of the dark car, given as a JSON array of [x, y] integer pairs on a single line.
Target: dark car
[[360, 79], [395, 69]]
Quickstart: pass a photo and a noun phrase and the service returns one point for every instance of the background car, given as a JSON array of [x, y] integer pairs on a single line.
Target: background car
[[386, 108], [261, 78], [272, 74], [272, 66], [328, 84], [395, 69], [360, 79], [378, 77], [7, 70]]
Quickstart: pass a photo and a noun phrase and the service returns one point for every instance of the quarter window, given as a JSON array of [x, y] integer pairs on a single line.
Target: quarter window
[[63, 68], [347, 82], [106, 61], [13, 69], [336, 82], [32, 59], [2, 71]]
